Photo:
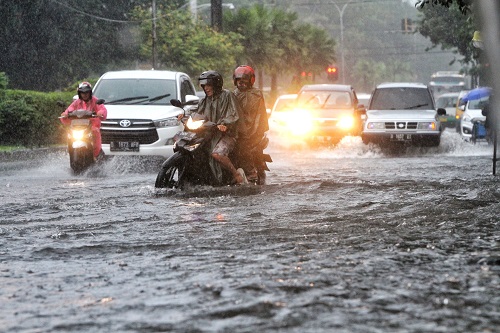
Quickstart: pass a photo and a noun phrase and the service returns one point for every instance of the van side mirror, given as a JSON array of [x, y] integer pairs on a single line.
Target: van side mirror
[[191, 100]]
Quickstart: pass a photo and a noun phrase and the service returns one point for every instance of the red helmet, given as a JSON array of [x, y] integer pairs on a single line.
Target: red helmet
[[244, 72]]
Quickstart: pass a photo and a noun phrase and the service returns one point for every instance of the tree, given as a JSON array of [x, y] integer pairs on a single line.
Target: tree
[[463, 5], [46, 45], [185, 45], [275, 41], [449, 28]]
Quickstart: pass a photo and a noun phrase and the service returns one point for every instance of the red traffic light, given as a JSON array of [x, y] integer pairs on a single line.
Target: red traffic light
[[332, 70], [332, 73]]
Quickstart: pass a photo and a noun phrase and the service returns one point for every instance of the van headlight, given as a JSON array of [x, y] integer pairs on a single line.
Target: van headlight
[[427, 125], [374, 126], [168, 122]]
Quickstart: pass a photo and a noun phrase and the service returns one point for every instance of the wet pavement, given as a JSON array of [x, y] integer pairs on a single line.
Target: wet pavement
[[347, 239]]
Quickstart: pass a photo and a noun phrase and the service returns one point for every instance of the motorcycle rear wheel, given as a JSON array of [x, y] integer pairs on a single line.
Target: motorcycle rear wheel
[[170, 175]]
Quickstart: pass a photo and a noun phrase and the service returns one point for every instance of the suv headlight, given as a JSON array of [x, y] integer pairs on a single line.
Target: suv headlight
[[427, 125], [168, 122], [346, 122], [467, 119]]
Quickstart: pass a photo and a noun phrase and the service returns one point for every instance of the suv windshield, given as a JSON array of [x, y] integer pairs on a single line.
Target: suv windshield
[[325, 99], [402, 98], [136, 91]]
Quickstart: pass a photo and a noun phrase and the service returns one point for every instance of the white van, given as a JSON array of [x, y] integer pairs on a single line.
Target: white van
[[141, 120]]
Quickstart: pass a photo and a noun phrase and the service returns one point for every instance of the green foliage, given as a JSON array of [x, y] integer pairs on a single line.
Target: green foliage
[[463, 5], [185, 45], [30, 118], [3, 81], [47, 45], [449, 28]]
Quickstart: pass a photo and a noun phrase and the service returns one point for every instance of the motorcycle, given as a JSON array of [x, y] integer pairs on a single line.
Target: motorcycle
[[190, 162], [80, 140]]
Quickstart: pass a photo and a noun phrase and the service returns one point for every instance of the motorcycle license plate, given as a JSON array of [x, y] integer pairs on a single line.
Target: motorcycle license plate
[[400, 137], [80, 122], [124, 146], [185, 135]]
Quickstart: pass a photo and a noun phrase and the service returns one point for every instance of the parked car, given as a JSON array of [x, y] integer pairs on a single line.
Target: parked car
[[364, 98], [141, 120], [459, 110], [472, 111], [327, 112], [402, 113], [448, 101]]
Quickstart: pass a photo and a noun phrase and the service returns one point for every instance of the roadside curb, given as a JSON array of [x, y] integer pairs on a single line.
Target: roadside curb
[[27, 154]]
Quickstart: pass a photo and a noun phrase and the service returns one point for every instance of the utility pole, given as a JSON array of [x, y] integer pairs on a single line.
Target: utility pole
[[216, 11], [341, 14], [153, 9]]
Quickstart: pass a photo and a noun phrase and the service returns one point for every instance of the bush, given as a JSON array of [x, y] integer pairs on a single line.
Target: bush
[[30, 118]]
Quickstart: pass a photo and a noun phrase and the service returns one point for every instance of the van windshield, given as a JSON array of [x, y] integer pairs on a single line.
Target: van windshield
[[136, 91], [401, 98]]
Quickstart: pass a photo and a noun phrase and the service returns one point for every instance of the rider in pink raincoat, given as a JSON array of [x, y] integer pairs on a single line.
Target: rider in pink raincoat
[[88, 102]]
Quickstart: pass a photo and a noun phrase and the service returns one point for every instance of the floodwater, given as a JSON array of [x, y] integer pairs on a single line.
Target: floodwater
[[349, 239]]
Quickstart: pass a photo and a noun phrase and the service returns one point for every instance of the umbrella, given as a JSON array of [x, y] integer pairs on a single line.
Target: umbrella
[[477, 93]]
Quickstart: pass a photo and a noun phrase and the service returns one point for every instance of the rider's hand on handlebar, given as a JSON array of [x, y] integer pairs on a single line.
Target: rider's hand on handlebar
[[222, 128], [64, 115]]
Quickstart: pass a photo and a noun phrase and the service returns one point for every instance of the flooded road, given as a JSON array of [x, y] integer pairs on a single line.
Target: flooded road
[[350, 239]]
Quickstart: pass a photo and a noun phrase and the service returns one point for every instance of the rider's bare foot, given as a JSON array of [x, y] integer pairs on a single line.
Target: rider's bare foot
[[239, 177]]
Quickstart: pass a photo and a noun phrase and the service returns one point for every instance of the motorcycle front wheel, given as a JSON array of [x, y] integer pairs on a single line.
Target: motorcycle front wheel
[[80, 160], [170, 175]]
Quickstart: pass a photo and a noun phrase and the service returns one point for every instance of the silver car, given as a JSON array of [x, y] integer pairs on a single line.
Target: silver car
[[402, 113]]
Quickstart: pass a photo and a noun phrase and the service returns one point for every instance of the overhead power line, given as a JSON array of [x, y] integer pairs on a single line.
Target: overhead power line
[[100, 17]]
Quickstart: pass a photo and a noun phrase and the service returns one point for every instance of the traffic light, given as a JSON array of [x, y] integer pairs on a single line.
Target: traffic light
[[406, 25], [333, 73]]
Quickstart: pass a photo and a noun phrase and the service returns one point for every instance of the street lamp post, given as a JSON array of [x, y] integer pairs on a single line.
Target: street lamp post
[[153, 9], [341, 14]]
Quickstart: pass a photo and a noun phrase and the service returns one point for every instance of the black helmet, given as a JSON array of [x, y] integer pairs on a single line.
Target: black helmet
[[213, 79]]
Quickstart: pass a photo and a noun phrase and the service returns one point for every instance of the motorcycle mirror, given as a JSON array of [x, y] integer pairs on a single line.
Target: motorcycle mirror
[[60, 103], [176, 102]]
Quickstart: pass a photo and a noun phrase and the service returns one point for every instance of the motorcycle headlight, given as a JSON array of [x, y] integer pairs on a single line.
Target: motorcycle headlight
[[168, 122], [194, 124], [78, 134], [427, 125]]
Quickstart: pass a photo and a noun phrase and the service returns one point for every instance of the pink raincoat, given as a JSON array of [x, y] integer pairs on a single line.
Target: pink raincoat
[[91, 105]]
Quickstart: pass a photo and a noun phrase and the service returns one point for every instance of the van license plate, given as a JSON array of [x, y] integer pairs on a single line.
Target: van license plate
[[124, 146], [400, 137]]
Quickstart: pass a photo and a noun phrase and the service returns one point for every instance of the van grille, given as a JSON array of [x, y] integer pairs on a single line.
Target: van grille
[[401, 125]]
